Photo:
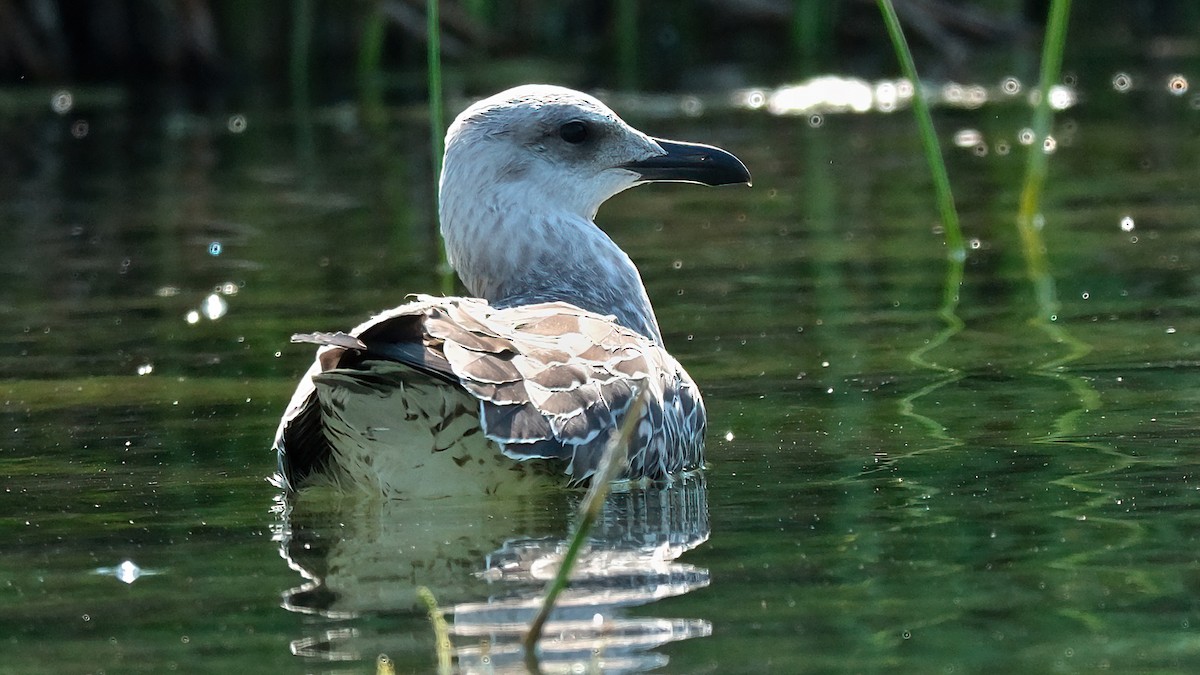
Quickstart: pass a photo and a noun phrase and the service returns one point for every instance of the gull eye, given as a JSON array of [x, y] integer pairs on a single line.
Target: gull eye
[[573, 132]]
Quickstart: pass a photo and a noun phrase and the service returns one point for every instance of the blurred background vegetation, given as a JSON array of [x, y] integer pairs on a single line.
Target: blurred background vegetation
[[337, 48]]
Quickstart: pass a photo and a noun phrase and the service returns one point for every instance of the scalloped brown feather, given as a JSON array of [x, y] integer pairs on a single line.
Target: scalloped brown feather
[[551, 381]]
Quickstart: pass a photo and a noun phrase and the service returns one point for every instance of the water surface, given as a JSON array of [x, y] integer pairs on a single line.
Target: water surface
[[1005, 484]]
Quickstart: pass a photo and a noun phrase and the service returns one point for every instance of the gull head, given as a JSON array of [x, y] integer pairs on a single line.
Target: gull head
[[524, 174], [567, 152]]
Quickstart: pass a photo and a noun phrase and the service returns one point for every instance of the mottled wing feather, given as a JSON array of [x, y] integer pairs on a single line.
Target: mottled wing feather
[[487, 367], [635, 368], [464, 318], [560, 376], [563, 403], [549, 357], [552, 380], [584, 424], [579, 372], [469, 334], [500, 394]]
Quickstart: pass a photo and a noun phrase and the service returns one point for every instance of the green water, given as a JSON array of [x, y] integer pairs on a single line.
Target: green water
[[888, 491]]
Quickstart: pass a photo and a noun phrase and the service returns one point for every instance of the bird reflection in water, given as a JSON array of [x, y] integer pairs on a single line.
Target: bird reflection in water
[[488, 563]]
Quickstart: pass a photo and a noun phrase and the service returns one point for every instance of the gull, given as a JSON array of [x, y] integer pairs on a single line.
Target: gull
[[536, 372]]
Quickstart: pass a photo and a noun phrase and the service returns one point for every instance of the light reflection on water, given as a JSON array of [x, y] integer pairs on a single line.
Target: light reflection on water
[[836, 94], [361, 559]]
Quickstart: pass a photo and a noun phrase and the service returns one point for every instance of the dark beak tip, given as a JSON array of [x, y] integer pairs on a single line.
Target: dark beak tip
[[692, 163], [744, 178], [738, 176]]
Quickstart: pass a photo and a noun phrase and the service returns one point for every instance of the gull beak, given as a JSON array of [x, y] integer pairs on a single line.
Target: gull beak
[[690, 163]]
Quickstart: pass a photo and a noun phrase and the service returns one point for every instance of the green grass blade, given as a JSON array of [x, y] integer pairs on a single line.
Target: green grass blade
[[437, 127], [1029, 226], [1043, 116], [933, 152], [437, 122], [1029, 222], [589, 511], [370, 60]]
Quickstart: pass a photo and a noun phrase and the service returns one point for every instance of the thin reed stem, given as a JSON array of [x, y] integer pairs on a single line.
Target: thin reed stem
[[1029, 219], [437, 124], [1043, 115], [437, 129], [593, 502], [370, 60], [933, 152]]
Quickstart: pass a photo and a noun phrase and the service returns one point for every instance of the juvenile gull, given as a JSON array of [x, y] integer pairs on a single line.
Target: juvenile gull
[[440, 395]]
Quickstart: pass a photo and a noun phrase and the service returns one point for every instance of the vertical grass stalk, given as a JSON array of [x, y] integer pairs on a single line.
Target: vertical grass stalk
[[1043, 115], [593, 502], [370, 59], [933, 152], [433, 29], [437, 126], [956, 249], [1029, 221], [1029, 224], [1037, 264]]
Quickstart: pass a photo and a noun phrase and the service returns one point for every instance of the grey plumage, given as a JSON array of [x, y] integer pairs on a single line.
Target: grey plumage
[[546, 362]]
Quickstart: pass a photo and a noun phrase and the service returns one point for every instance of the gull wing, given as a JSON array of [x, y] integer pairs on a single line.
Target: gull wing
[[552, 381]]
